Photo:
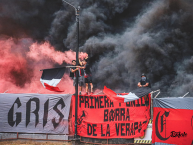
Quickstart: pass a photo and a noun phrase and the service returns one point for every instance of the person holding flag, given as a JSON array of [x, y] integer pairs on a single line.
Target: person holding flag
[[80, 75]]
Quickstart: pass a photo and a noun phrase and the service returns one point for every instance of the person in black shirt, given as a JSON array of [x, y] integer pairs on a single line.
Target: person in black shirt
[[88, 76], [72, 73], [80, 75], [144, 82]]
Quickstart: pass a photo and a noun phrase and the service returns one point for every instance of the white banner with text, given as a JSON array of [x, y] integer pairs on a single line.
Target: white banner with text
[[35, 113]]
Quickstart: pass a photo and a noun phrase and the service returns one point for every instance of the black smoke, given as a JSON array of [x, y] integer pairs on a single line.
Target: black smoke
[[27, 18], [123, 38]]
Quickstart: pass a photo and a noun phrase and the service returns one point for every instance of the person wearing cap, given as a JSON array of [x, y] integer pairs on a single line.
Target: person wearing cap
[[144, 82]]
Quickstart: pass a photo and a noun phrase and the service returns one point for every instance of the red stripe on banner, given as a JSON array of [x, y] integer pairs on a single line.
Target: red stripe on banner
[[172, 126], [51, 88], [101, 117], [112, 95]]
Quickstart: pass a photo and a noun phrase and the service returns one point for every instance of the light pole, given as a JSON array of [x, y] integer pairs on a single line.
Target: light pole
[[77, 10]]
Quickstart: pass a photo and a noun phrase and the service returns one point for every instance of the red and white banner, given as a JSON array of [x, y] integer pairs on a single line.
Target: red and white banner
[[99, 117], [172, 121]]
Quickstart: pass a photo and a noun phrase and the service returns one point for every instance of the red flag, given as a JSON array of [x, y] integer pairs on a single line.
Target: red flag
[[112, 95], [100, 117], [172, 121], [131, 96]]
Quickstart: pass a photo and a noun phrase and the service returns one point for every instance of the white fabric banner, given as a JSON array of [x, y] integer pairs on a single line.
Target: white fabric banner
[[35, 113]]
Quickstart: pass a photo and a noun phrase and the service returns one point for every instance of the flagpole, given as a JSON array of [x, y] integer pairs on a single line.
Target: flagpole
[[70, 66], [77, 62]]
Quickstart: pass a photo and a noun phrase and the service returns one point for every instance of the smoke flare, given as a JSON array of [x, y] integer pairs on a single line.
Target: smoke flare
[[123, 39]]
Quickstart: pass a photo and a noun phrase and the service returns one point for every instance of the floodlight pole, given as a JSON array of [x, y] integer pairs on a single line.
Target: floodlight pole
[[77, 10]]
